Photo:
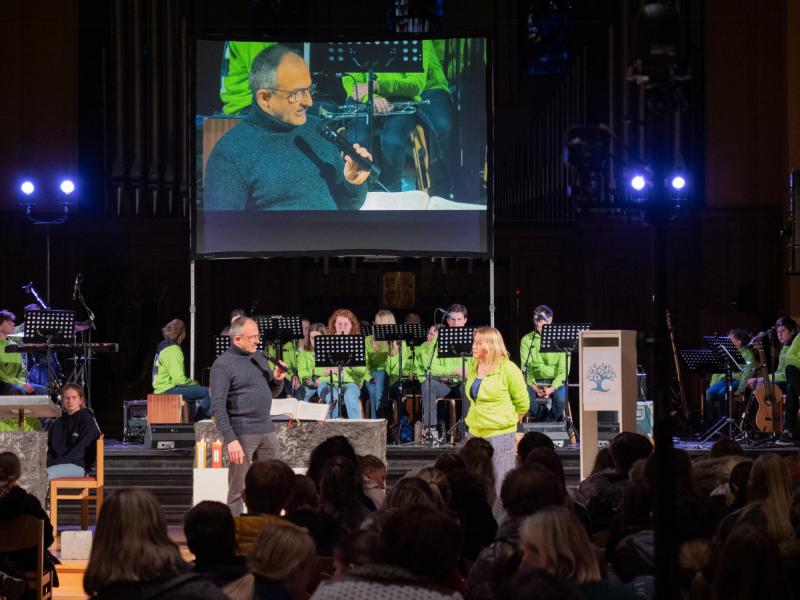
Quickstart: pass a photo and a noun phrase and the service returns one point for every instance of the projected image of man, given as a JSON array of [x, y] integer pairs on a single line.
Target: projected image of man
[[275, 159]]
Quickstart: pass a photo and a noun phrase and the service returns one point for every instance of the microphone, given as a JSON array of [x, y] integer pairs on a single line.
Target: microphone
[[342, 144], [77, 287]]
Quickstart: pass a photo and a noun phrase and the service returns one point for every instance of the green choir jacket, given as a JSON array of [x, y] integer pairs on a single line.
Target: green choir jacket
[[542, 365], [501, 397]]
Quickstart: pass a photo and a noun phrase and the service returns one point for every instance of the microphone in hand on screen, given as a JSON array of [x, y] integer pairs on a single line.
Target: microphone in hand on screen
[[344, 146]]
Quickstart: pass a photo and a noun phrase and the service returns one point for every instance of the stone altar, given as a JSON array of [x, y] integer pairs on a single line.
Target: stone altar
[[31, 448], [368, 436]]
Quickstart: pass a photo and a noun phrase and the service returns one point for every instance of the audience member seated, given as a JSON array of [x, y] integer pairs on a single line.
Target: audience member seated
[[132, 556], [530, 441], [555, 541], [356, 549], [304, 495], [711, 473], [15, 501], [630, 547], [602, 461], [525, 491], [169, 372], [281, 563], [737, 485], [468, 500], [750, 566], [549, 460], [211, 537], [420, 550], [71, 447], [601, 492], [336, 445], [439, 485], [695, 559], [477, 454], [268, 486], [451, 461], [533, 584], [769, 498], [373, 478], [409, 491]]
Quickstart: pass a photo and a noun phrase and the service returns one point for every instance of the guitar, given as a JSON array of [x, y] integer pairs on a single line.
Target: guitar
[[679, 396], [768, 395]]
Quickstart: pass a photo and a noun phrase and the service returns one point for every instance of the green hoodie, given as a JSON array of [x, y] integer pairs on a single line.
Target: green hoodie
[[741, 377], [501, 397], [542, 365], [440, 367], [12, 371], [237, 59], [168, 369]]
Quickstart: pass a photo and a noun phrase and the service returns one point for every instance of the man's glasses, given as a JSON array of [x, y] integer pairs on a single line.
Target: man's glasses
[[250, 338], [295, 95]]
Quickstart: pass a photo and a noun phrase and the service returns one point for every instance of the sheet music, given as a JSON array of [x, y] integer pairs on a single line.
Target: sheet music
[[297, 409]]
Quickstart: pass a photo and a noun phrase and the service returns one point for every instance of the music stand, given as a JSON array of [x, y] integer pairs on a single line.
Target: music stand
[[724, 346], [388, 56], [339, 351], [221, 345], [563, 337], [366, 329], [456, 342], [708, 362], [51, 327], [277, 330]]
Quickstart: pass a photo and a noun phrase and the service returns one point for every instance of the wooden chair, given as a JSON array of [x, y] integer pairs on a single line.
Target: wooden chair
[[88, 488], [26, 531], [419, 149]]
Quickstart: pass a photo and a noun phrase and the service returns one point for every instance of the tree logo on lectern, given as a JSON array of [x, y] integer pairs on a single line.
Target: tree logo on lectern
[[597, 374]]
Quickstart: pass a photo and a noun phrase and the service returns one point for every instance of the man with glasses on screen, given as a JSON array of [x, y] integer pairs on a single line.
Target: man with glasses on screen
[[275, 159]]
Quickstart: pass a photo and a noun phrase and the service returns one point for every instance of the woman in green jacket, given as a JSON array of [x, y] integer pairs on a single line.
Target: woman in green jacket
[[305, 365], [498, 399], [169, 375]]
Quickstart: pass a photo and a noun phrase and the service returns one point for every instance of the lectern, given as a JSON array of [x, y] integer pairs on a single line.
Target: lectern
[[607, 382]]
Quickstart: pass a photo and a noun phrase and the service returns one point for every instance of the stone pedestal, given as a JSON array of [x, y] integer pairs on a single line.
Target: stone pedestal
[[368, 436], [31, 448]]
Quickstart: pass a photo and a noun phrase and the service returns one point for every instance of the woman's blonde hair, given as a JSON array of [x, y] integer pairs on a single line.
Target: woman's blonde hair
[[770, 488], [321, 328], [385, 317], [347, 314], [173, 330], [495, 347], [562, 543], [279, 550]]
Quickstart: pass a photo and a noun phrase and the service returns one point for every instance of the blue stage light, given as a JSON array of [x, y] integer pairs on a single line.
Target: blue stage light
[[678, 182], [638, 182], [67, 186], [27, 187]]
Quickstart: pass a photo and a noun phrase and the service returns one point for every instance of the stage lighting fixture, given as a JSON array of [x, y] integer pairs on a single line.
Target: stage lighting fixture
[[67, 187], [638, 187], [27, 187], [677, 183], [638, 182]]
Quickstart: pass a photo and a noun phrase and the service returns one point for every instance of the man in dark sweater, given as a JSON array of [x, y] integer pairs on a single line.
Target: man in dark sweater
[[276, 159], [71, 441], [242, 384]]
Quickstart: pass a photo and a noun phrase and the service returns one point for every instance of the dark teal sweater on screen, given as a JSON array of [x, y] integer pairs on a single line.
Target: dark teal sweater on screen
[[266, 164]]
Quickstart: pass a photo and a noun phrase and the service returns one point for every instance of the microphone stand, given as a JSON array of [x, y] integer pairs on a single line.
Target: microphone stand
[[428, 376], [87, 346]]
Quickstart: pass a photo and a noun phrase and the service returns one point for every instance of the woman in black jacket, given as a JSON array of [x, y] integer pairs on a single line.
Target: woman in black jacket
[[71, 441]]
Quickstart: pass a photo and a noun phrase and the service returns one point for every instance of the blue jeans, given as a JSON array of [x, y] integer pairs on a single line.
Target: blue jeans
[[304, 393], [378, 391], [198, 398], [352, 394], [67, 470], [438, 117], [558, 404], [715, 394]]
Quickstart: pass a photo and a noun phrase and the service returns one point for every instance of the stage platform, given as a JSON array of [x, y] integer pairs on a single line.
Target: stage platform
[[168, 473]]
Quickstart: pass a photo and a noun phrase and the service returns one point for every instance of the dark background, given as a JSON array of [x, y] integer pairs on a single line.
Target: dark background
[[103, 89]]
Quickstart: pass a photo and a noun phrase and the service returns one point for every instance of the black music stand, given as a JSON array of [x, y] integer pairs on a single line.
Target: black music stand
[[388, 56], [221, 345], [366, 329], [456, 342], [339, 351], [277, 330], [50, 327], [563, 337], [708, 362]]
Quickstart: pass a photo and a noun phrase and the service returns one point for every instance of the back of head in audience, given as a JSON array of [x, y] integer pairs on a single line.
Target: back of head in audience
[[681, 471], [439, 485], [304, 494], [694, 565], [451, 461], [210, 532], [529, 441], [554, 540], [535, 584], [749, 566], [284, 553], [548, 460], [603, 461], [737, 482], [10, 471], [336, 445], [628, 447], [725, 447], [770, 487], [425, 542], [355, 549], [477, 454], [268, 486], [339, 489], [410, 491], [131, 543], [637, 505], [529, 489]]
